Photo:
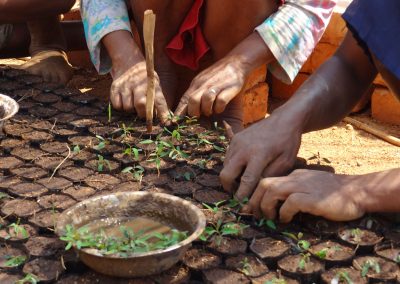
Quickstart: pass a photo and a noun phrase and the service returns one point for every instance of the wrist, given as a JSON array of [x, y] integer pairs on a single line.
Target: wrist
[[251, 53]]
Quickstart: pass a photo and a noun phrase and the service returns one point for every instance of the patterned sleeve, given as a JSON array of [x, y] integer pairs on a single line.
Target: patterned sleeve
[[101, 17], [292, 33]]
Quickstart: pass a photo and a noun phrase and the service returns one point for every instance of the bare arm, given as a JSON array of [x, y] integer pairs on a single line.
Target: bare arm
[[330, 94]]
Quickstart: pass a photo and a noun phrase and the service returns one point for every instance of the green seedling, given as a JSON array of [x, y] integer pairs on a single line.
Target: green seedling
[[102, 142], [343, 276], [101, 162], [175, 134], [268, 223], [109, 112], [276, 281], [17, 230], [14, 261], [29, 278], [356, 234], [321, 254], [368, 265], [136, 172], [239, 204], [216, 207], [397, 258], [246, 267], [126, 130], [130, 242], [302, 245], [4, 195], [76, 149], [305, 258], [219, 230], [133, 152]]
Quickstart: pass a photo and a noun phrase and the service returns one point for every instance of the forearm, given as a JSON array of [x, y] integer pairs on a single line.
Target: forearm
[[121, 47], [379, 192], [251, 53], [333, 90]]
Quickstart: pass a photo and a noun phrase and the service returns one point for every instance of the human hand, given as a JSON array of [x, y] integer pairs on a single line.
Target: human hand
[[212, 90], [334, 197], [128, 92], [267, 148]]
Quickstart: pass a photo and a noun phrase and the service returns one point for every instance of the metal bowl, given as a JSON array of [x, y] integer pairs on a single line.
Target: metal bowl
[[164, 208], [8, 108]]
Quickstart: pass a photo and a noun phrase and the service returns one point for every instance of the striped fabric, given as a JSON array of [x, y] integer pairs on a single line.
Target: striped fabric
[[292, 33]]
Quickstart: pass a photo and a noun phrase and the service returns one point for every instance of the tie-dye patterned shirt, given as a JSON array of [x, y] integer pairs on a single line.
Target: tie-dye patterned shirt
[[291, 33]]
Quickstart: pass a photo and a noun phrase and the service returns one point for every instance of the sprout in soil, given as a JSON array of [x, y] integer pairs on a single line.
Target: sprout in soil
[[136, 172], [130, 243], [76, 149], [132, 152], [219, 230], [101, 162], [268, 223], [102, 142], [216, 207], [368, 265], [15, 229], [29, 278], [239, 204], [397, 259], [14, 261], [126, 130], [305, 258], [342, 276], [276, 281], [246, 267], [109, 112], [301, 245], [356, 234], [321, 254]]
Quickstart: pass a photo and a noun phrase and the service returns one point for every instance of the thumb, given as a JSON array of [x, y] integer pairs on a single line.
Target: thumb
[[228, 130]]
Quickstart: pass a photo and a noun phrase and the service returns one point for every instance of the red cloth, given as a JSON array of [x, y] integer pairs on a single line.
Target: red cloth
[[189, 45]]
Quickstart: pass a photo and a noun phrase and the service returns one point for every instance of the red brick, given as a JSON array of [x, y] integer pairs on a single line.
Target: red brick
[[385, 106], [255, 103], [283, 91], [259, 75]]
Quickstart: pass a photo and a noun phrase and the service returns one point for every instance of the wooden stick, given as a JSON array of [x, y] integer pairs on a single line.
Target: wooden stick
[[376, 132], [149, 25]]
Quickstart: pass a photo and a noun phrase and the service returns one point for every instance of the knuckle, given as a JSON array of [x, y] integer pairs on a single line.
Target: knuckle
[[248, 179], [193, 100]]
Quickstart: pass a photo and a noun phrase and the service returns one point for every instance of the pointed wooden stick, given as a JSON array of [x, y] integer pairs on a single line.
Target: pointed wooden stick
[[149, 25]]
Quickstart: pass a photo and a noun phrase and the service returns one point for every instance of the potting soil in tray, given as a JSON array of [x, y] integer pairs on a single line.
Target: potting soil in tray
[[52, 144]]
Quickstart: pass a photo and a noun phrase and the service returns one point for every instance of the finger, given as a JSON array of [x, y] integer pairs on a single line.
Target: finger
[[182, 107], [279, 167], [207, 101], [231, 171], [228, 130], [224, 97], [194, 103], [253, 206], [250, 178], [161, 106], [115, 98], [127, 100], [295, 203], [139, 101]]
